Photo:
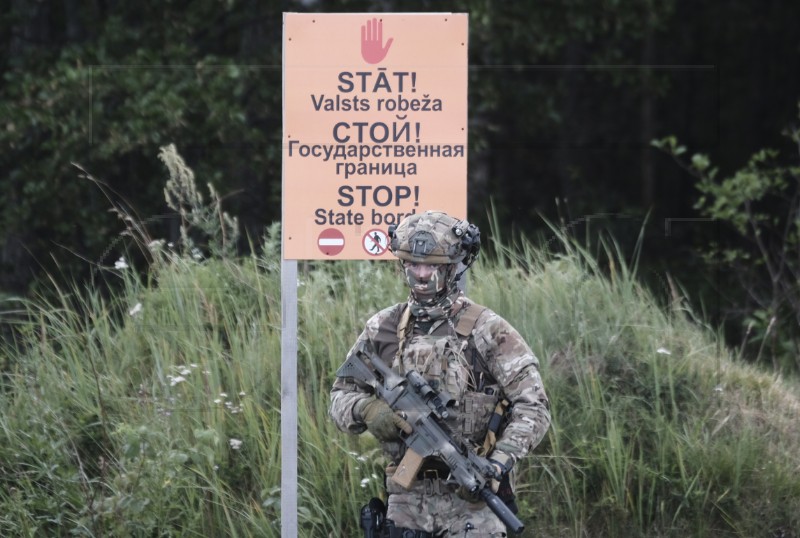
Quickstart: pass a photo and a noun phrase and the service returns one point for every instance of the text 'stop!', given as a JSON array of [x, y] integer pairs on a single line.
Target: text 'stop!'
[[374, 128]]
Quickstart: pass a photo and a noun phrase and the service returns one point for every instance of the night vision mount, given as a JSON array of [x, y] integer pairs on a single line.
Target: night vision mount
[[470, 242]]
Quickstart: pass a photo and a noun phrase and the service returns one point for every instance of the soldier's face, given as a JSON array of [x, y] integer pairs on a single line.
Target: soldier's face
[[425, 280]]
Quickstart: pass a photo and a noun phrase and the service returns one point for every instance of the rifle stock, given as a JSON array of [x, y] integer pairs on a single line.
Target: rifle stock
[[425, 409]]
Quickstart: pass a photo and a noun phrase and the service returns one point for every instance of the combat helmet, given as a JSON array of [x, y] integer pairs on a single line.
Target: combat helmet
[[435, 237]]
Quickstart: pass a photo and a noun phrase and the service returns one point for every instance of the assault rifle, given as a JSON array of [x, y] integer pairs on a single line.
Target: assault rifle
[[425, 410]]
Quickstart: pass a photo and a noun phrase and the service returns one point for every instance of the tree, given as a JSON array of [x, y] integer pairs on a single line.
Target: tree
[[102, 96], [760, 204], [564, 99]]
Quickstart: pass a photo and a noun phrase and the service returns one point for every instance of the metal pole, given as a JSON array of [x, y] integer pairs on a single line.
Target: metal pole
[[288, 363], [289, 398]]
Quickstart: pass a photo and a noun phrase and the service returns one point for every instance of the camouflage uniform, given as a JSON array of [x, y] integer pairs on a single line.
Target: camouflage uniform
[[479, 359]]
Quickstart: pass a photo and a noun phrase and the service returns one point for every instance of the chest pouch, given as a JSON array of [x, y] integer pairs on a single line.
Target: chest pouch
[[440, 360], [474, 416]]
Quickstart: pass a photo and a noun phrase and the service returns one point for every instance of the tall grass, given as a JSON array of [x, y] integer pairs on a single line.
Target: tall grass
[[163, 419], [155, 410], [656, 431]]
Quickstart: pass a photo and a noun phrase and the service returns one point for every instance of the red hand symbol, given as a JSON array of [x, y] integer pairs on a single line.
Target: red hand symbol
[[372, 49]]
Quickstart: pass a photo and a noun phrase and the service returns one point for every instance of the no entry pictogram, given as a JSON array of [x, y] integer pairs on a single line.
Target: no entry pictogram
[[331, 241], [375, 242]]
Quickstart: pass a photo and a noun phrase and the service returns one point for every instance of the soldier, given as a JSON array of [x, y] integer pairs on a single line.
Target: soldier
[[467, 350]]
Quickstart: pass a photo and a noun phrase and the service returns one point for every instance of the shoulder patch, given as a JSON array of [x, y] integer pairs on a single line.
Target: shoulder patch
[[467, 319]]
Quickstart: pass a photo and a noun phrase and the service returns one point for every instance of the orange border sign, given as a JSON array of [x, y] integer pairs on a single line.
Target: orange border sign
[[375, 126]]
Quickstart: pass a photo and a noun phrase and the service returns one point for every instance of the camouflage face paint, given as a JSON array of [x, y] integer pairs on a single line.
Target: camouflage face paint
[[426, 281]]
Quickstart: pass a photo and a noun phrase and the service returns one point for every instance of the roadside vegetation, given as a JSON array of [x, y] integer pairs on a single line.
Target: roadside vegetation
[[154, 410]]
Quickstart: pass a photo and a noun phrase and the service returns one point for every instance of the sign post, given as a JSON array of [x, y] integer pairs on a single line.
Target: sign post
[[374, 129]]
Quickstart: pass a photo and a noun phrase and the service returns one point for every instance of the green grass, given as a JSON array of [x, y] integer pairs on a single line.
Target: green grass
[[120, 424]]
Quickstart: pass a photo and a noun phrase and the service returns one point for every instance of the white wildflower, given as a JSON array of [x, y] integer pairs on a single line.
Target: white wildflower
[[223, 394], [175, 380], [364, 482], [196, 254], [155, 245], [218, 401], [120, 263], [137, 308], [185, 371], [242, 394], [236, 444], [663, 351]]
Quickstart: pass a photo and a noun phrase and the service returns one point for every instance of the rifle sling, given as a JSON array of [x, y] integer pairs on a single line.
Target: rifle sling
[[495, 422]]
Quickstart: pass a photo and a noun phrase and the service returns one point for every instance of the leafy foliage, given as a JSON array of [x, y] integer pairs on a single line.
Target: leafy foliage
[[108, 101], [761, 204]]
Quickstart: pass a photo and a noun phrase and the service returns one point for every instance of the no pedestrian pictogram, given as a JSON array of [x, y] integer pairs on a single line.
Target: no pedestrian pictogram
[[375, 242]]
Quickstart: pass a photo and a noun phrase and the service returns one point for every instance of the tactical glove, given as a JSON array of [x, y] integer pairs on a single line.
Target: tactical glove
[[381, 421], [502, 463]]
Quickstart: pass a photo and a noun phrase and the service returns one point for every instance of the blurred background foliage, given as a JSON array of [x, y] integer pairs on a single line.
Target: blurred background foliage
[[565, 99]]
